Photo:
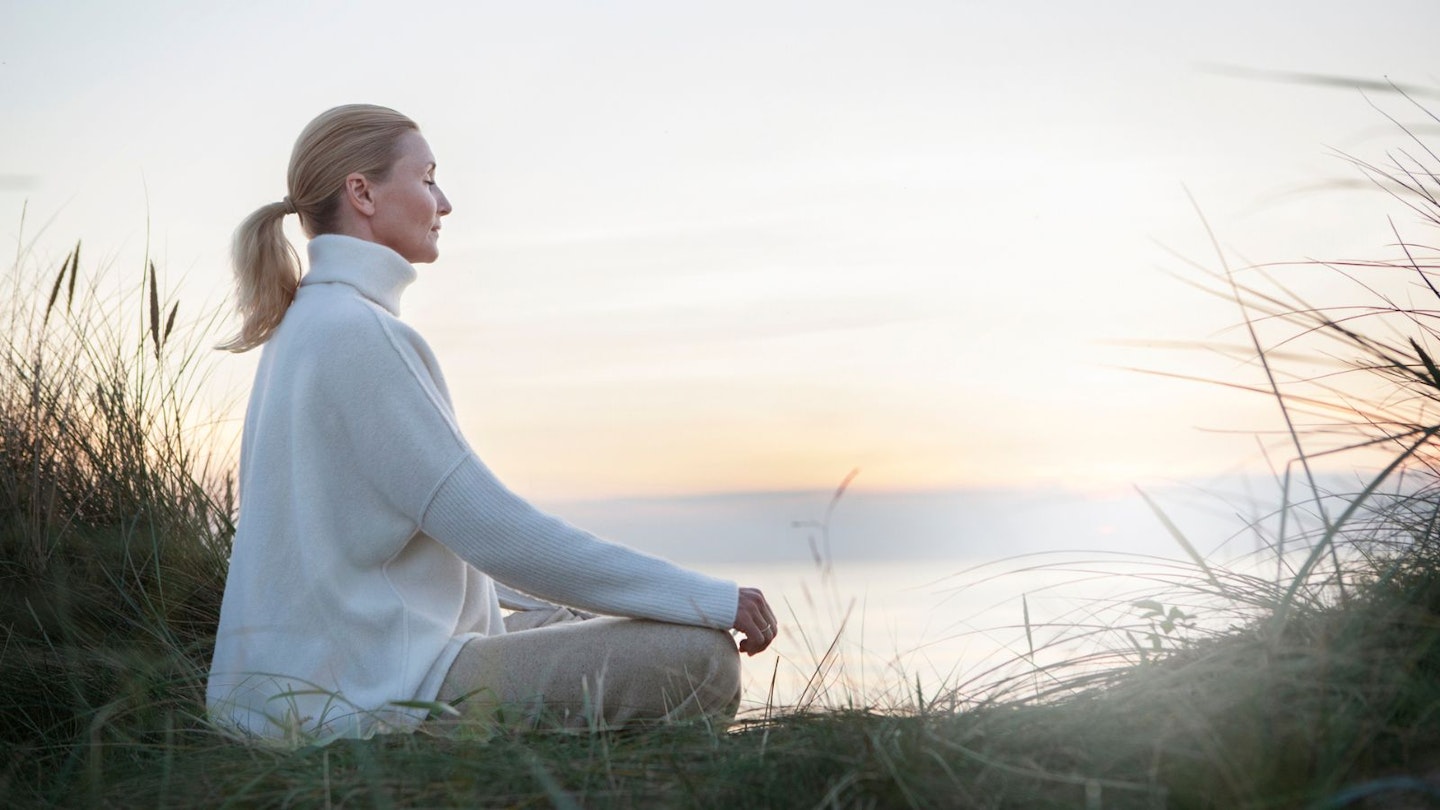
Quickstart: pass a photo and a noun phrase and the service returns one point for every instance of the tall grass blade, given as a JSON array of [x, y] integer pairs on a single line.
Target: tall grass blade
[[1326, 543], [1434, 378], [1326, 80], [1184, 542], [154, 311], [830, 510], [1410, 258], [55, 290], [74, 271], [1030, 642], [1262, 356], [170, 322]]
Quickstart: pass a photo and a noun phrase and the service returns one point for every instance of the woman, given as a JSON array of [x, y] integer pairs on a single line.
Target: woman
[[374, 549]]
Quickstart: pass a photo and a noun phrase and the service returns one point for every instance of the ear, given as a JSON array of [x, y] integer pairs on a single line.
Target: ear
[[359, 194]]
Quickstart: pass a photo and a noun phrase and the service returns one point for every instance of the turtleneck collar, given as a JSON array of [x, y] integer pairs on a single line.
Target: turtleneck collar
[[378, 272]]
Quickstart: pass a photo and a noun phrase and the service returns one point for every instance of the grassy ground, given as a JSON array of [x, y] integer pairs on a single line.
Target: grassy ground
[[1323, 691], [1342, 700]]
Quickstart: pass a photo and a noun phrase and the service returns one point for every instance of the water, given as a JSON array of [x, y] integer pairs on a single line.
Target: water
[[907, 631], [928, 595], [889, 620]]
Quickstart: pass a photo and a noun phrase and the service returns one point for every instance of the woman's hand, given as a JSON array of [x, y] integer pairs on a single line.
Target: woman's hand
[[755, 620]]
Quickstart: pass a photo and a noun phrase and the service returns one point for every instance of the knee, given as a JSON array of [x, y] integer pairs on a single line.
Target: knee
[[717, 649], [712, 666]]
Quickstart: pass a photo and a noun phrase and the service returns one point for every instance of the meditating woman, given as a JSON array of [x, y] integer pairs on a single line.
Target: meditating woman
[[374, 550]]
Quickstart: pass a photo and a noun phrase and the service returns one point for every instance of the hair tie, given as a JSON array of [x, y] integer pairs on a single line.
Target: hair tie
[[290, 205]]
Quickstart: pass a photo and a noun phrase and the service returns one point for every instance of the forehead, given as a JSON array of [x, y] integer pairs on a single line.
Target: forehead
[[413, 150]]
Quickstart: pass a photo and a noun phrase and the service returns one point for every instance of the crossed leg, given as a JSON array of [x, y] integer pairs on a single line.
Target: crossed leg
[[599, 673]]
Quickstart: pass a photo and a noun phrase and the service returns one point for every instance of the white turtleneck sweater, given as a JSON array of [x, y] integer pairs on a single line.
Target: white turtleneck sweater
[[369, 531]]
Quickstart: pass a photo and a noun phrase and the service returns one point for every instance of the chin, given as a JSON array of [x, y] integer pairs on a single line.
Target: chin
[[424, 256]]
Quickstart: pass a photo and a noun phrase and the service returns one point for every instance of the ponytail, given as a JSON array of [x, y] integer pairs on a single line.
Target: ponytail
[[267, 271]]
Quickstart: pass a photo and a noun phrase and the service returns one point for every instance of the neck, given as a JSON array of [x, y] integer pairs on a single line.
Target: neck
[[377, 272]]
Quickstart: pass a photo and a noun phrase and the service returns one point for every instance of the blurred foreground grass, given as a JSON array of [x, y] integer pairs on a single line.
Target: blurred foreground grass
[[1320, 689]]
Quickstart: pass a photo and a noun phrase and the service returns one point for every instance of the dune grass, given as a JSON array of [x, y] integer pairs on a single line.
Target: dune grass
[[1307, 675]]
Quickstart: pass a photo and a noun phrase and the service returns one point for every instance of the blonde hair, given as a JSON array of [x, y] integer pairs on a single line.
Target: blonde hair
[[350, 138]]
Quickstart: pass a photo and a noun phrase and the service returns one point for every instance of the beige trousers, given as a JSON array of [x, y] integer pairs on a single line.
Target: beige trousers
[[556, 668]]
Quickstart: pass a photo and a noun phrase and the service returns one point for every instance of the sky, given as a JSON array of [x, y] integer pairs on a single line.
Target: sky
[[714, 247]]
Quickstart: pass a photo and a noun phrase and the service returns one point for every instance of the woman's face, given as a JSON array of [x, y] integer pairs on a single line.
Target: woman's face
[[408, 204]]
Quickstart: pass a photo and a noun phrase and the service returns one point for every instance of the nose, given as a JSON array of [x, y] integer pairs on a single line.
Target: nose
[[442, 202]]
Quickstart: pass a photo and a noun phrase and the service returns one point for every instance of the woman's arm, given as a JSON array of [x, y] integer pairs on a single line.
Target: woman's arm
[[493, 529]]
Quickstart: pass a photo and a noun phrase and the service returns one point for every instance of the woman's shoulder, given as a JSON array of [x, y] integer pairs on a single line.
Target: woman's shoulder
[[354, 335], [329, 313]]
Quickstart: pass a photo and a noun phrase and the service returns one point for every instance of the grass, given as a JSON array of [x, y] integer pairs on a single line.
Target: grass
[[1305, 675]]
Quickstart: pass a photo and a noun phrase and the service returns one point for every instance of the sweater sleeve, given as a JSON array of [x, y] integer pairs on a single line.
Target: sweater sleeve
[[503, 535]]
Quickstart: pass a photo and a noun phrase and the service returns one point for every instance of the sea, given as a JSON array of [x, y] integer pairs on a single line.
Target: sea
[[903, 600]]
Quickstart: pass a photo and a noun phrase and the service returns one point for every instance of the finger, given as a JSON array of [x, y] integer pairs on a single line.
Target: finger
[[770, 618], [751, 644], [767, 635], [754, 600], [756, 620], [765, 619], [755, 640]]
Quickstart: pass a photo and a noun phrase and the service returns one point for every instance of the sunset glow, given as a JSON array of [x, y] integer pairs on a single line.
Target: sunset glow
[[749, 247]]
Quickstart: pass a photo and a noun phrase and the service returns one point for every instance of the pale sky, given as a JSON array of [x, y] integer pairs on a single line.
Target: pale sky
[[706, 247]]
